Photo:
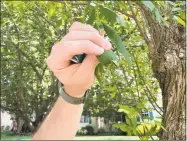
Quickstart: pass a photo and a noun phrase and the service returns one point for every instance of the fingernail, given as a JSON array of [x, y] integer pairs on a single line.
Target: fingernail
[[107, 44]]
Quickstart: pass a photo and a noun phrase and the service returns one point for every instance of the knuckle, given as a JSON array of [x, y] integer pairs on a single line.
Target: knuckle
[[89, 26], [74, 25], [71, 33], [65, 37], [92, 29], [88, 43], [93, 35], [96, 38]]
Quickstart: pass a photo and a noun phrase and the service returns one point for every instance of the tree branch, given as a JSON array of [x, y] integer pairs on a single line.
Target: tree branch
[[30, 62], [142, 31], [12, 110], [75, 3], [151, 101], [23, 53], [49, 22], [136, 84], [124, 13]]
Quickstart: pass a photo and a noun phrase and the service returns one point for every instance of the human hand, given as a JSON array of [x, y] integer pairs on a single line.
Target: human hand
[[77, 78]]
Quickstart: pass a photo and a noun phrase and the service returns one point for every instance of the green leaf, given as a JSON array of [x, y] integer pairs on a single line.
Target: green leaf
[[148, 4], [107, 57], [51, 12], [157, 14], [134, 121], [153, 129], [145, 138], [59, 22], [158, 123], [176, 9], [98, 72], [122, 126], [92, 16], [128, 121], [108, 13], [120, 20], [182, 15], [140, 106], [152, 7], [113, 94], [111, 15], [131, 112], [180, 21], [111, 89], [116, 40]]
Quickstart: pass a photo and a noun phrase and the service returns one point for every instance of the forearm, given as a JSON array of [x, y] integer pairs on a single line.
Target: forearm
[[61, 123]]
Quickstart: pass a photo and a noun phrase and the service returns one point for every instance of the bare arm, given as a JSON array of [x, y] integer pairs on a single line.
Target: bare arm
[[63, 120]]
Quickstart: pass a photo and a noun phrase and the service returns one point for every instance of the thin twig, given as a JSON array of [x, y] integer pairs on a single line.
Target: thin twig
[[151, 101], [75, 3], [139, 26], [124, 13], [148, 132]]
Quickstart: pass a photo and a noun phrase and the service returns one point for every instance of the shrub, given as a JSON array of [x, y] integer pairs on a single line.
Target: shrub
[[89, 129], [119, 132], [101, 131]]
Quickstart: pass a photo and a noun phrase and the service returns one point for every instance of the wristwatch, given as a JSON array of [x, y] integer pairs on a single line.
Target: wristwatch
[[72, 100]]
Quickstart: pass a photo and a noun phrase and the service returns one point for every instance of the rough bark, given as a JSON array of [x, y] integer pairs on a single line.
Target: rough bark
[[170, 71], [167, 52], [20, 123]]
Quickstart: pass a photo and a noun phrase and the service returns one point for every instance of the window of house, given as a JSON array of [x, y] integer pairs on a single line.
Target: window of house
[[84, 119], [147, 115]]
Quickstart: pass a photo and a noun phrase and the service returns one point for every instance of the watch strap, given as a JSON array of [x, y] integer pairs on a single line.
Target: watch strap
[[70, 99]]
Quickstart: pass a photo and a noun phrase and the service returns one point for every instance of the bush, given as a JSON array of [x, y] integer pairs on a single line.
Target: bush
[[89, 129], [7, 127], [119, 132], [101, 131]]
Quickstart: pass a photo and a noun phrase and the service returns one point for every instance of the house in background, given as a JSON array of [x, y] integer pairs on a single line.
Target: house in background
[[95, 122], [151, 114], [6, 122]]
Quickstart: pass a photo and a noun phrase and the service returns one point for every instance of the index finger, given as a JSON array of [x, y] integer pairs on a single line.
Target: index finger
[[82, 27]]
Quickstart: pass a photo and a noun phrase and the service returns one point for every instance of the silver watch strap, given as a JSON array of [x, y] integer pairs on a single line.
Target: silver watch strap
[[70, 99]]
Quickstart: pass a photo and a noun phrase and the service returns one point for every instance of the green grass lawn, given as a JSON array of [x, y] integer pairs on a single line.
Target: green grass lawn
[[5, 136]]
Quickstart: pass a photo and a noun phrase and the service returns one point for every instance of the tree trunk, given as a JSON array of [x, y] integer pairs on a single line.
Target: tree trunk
[[168, 62], [20, 123], [169, 69], [167, 52]]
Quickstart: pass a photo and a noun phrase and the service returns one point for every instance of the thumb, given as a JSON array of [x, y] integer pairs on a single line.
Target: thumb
[[89, 64]]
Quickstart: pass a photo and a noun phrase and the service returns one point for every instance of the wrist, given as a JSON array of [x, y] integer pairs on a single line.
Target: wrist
[[74, 91]]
